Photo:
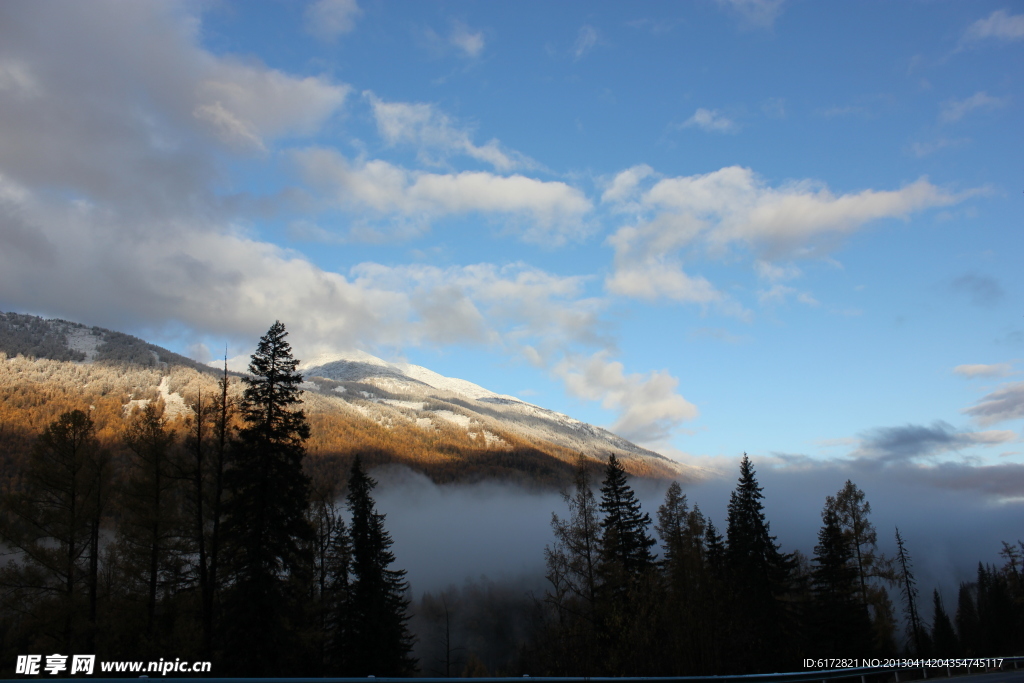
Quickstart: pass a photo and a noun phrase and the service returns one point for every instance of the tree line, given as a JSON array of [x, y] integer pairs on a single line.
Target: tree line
[[213, 542], [734, 604], [211, 547]]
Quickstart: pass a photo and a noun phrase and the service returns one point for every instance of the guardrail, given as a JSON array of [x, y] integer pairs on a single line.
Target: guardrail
[[890, 671]]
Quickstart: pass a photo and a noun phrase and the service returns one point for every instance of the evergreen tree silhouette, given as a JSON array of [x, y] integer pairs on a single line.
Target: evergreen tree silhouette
[[840, 618], [626, 542], [266, 531], [376, 639], [967, 627], [909, 590], [943, 636], [629, 592], [758, 572]]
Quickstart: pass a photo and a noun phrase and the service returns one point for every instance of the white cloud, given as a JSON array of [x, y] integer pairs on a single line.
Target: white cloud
[[733, 207], [649, 406], [954, 110], [470, 42], [328, 19], [553, 211], [652, 280], [712, 121], [624, 184], [586, 40], [773, 272], [980, 370], [433, 132], [999, 25], [755, 13], [136, 109]]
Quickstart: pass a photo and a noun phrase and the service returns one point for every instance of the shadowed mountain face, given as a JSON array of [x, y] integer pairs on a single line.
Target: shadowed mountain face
[[449, 428]]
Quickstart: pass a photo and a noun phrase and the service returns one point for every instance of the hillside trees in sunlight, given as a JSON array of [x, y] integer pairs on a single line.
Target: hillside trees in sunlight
[[267, 534], [376, 638]]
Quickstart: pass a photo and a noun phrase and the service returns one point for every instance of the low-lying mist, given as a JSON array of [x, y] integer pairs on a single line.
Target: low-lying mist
[[445, 534]]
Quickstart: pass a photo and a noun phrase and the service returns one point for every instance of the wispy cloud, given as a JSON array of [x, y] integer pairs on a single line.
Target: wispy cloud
[[586, 40], [436, 135], [1000, 26], [954, 110], [328, 19], [923, 149], [712, 121], [467, 40], [980, 370], [755, 13], [909, 442], [1005, 403], [982, 290]]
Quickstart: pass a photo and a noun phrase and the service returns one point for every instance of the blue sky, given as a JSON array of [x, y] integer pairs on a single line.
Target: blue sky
[[786, 228]]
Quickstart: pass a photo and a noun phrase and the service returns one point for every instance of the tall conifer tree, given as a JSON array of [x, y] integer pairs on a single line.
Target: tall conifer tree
[[626, 541], [376, 640], [840, 619], [266, 528], [759, 573]]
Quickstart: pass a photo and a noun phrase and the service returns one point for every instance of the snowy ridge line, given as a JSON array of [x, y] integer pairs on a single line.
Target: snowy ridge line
[[433, 398]]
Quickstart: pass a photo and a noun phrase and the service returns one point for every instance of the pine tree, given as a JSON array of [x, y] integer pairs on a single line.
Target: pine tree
[[759, 573], [376, 639], [967, 626], [841, 619], [909, 591], [943, 636], [626, 543], [266, 527]]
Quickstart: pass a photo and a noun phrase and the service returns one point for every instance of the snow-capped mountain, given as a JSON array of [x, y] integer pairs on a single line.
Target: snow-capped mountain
[[397, 393], [447, 427]]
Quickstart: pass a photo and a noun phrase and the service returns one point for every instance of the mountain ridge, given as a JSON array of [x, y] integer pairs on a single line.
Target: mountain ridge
[[390, 412]]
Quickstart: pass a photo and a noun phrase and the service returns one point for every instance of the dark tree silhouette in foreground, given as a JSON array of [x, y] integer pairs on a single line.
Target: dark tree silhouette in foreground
[[376, 640], [267, 532]]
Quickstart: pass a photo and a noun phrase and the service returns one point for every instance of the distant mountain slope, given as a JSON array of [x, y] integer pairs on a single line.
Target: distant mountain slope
[[431, 396], [449, 428], [56, 339]]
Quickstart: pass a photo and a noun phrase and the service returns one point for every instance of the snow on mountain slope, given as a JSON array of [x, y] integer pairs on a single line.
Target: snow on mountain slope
[[413, 394]]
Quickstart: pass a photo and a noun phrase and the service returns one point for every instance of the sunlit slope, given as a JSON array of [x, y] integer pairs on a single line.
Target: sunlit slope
[[447, 428]]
